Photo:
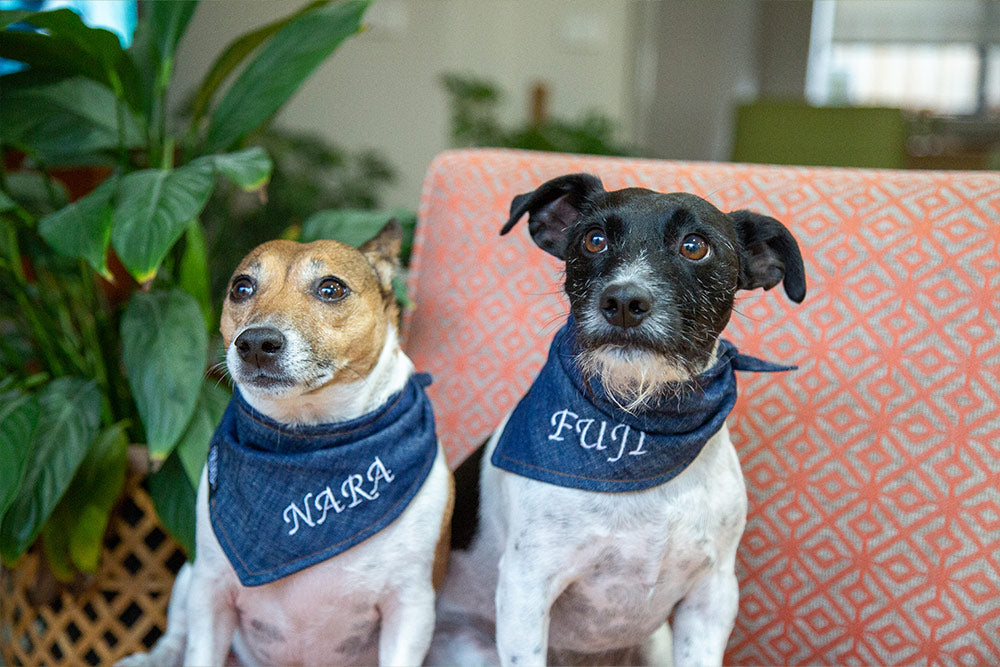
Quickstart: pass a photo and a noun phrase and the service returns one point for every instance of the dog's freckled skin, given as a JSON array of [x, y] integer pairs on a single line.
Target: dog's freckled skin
[[265, 631], [360, 644], [604, 571]]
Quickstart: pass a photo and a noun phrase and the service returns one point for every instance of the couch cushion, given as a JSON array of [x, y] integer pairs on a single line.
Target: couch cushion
[[874, 528]]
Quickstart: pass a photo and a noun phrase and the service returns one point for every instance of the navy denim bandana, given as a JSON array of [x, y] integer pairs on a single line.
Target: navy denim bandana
[[284, 498], [567, 432]]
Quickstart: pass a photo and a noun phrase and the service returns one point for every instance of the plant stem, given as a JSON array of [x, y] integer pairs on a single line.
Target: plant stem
[[161, 145], [12, 355], [86, 315], [168, 154], [23, 214], [107, 344], [46, 347], [122, 105], [14, 258], [56, 299], [50, 184]]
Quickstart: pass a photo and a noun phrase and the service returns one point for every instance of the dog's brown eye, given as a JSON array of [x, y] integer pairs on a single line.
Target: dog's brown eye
[[694, 247], [242, 288], [331, 289], [595, 241]]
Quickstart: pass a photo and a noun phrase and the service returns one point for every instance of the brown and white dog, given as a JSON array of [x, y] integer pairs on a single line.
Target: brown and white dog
[[310, 334]]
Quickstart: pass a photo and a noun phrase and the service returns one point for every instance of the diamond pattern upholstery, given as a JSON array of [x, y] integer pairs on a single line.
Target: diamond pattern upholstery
[[872, 471]]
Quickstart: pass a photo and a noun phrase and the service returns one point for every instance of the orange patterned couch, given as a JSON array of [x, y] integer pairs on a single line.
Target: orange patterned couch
[[872, 471]]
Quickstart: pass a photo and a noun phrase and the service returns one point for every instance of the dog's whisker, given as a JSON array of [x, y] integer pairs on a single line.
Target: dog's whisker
[[356, 373], [553, 323]]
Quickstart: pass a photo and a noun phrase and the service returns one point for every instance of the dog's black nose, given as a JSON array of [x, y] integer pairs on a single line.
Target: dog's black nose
[[625, 305], [260, 345]]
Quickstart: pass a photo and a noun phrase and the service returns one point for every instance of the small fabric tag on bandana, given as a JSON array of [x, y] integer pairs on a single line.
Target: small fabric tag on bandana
[[283, 498], [568, 432]]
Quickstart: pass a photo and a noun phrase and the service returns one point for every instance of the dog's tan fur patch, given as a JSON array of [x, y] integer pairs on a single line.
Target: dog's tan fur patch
[[350, 332], [443, 550]]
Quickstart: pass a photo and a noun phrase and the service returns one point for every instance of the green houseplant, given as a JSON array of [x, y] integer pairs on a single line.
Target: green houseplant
[[474, 105], [313, 179], [105, 314]]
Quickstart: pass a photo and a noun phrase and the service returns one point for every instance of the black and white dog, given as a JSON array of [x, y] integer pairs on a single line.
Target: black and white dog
[[611, 501]]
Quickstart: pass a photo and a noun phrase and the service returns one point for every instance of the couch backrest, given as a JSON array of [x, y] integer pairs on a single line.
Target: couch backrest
[[872, 471]]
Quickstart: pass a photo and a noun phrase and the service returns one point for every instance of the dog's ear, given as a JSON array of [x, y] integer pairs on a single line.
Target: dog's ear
[[769, 255], [553, 208], [382, 252]]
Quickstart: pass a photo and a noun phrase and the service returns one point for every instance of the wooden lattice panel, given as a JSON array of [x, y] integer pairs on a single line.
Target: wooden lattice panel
[[122, 612]]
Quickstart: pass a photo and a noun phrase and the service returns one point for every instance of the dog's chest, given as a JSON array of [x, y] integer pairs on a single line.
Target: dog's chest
[[628, 581], [631, 557], [325, 614]]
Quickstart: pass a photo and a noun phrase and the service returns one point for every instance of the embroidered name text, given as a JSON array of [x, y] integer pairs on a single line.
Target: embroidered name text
[[590, 433], [353, 491]]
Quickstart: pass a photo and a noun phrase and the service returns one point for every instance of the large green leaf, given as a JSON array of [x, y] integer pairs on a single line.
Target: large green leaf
[[66, 122], [82, 229], [193, 447], [100, 43], [74, 532], [55, 543], [18, 418], [9, 16], [348, 225], [154, 207], [70, 47], [249, 169], [70, 411], [133, 92], [164, 347], [279, 69], [6, 203], [34, 191], [51, 55], [144, 58], [174, 498], [232, 56], [168, 21], [152, 53], [193, 275]]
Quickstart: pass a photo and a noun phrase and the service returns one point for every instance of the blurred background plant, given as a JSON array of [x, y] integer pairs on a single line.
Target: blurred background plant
[[311, 177], [474, 107], [115, 231]]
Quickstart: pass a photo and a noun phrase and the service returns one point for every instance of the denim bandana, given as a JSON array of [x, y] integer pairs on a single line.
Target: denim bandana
[[567, 432], [283, 498]]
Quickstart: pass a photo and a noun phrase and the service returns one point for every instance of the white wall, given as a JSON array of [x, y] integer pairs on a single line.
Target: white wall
[[709, 57], [706, 62], [382, 88], [783, 36]]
